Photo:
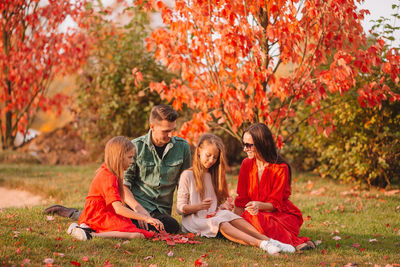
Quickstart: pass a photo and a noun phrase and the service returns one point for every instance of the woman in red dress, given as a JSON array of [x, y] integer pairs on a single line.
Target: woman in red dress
[[264, 189], [105, 214]]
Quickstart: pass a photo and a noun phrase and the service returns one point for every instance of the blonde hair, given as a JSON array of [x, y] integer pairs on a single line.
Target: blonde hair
[[217, 171], [115, 151]]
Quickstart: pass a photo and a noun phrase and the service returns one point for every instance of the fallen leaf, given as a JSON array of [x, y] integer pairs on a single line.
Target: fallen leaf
[[355, 245], [318, 242], [307, 218], [50, 218], [127, 252], [337, 245], [336, 237], [118, 245], [373, 240], [153, 265], [362, 249], [16, 234], [58, 254], [85, 258], [392, 192], [324, 251], [26, 261], [170, 242], [48, 261], [170, 253], [75, 263], [18, 251], [204, 255], [181, 259], [148, 258]]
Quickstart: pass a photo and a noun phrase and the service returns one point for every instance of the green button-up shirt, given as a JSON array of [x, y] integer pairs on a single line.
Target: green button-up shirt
[[152, 179]]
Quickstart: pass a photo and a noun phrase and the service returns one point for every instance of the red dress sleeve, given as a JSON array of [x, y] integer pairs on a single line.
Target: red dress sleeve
[[242, 188], [109, 189], [279, 186]]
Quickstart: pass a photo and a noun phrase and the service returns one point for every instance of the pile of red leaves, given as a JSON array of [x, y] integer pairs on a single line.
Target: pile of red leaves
[[173, 239]]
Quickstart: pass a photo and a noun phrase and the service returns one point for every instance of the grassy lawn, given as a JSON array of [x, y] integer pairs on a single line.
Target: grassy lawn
[[367, 223]]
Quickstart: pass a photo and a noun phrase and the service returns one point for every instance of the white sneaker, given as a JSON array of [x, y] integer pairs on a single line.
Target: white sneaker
[[79, 234], [71, 227], [269, 247], [284, 247]]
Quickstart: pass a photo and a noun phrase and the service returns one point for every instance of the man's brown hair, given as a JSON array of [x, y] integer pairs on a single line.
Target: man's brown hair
[[163, 112]]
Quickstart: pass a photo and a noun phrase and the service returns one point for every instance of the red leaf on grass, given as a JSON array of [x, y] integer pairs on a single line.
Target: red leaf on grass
[[118, 245], [362, 249], [18, 251], [170, 242], [85, 258], [347, 237], [355, 245], [204, 255], [198, 262], [337, 245], [324, 251], [181, 259], [75, 263], [127, 252]]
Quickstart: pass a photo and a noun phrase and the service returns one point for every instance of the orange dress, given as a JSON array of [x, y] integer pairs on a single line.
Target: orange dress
[[284, 223], [99, 213]]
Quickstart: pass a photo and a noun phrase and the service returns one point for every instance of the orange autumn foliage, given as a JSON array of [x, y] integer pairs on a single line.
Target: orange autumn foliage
[[33, 50], [228, 54]]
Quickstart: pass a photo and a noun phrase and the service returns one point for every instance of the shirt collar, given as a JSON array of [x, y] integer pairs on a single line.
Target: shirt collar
[[150, 143]]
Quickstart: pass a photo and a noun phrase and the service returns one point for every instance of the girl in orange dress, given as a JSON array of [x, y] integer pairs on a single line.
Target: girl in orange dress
[[105, 214], [264, 189]]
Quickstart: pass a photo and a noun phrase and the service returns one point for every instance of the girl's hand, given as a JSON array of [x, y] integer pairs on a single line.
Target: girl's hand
[[228, 205], [206, 203], [253, 207], [156, 223]]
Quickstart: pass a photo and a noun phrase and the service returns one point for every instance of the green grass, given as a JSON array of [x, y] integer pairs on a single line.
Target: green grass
[[330, 209]]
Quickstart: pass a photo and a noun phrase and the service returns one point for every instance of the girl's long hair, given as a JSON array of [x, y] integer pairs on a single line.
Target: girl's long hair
[[217, 171], [114, 153], [265, 145]]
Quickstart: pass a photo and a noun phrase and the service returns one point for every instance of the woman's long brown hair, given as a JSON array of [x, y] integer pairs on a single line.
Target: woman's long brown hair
[[115, 151], [217, 171]]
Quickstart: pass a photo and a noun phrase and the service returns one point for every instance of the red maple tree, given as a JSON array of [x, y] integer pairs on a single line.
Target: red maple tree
[[33, 49], [229, 55]]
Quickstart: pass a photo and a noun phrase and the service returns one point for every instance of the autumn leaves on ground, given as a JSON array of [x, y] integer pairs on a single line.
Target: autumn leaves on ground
[[351, 225]]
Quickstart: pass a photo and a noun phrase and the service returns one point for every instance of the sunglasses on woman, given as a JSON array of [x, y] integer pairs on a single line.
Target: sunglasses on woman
[[247, 145]]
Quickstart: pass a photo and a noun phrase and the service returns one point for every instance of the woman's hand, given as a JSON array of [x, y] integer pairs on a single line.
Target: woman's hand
[[156, 223], [253, 207], [206, 203]]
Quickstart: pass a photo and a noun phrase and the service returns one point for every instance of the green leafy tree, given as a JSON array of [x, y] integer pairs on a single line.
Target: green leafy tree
[[113, 97], [365, 143]]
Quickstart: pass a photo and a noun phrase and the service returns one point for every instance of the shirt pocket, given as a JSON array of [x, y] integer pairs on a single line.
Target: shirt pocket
[[171, 171], [147, 171]]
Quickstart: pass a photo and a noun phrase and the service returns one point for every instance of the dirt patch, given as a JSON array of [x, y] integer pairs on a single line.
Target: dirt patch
[[17, 198], [62, 146]]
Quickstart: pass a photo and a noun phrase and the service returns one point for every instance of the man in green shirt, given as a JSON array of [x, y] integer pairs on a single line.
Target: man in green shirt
[[150, 181], [160, 158]]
